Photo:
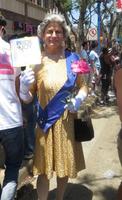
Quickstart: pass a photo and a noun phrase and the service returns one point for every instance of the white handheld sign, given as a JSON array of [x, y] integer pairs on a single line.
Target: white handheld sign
[[25, 51]]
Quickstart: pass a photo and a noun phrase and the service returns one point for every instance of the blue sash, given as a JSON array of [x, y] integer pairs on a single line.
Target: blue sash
[[51, 113]]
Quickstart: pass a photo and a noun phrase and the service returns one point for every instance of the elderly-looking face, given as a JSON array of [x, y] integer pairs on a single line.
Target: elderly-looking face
[[53, 36]]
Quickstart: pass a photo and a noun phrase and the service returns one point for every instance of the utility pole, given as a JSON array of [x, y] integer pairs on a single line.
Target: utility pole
[[115, 15], [99, 24]]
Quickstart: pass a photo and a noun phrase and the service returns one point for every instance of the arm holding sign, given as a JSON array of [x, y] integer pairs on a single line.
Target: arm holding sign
[[26, 52], [26, 79]]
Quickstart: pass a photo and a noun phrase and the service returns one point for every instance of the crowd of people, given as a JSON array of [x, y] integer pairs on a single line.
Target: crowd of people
[[103, 66], [48, 137]]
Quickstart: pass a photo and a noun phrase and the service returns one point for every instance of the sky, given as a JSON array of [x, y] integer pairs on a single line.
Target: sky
[[94, 17]]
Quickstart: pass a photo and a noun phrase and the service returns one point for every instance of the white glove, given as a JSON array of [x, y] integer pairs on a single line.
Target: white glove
[[26, 79], [74, 104]]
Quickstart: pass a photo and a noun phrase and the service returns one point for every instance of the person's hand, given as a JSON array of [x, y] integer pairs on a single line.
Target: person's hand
[[74, 104], [26, 79]]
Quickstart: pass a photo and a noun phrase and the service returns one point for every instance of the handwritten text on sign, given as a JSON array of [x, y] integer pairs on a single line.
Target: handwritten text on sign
[[25, 51]]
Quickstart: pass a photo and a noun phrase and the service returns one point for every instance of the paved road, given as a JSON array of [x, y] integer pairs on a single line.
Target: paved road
[[100, 179], [103, 172]]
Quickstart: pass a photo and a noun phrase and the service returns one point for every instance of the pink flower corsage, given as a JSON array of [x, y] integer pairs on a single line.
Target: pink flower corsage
[[80, 67]]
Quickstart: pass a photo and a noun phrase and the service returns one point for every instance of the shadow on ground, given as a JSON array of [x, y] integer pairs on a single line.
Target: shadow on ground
[[107, 193], [73, 192], [101, 191], [27, 192], [104, 112]]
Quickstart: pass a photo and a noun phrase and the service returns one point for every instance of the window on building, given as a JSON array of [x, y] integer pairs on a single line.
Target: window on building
[[34, 1], [42, 3], [46, 4], [39, 2]]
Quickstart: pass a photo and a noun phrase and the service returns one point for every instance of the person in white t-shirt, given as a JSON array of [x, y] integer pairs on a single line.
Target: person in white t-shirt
[[95, 66], [85, 58], [11, 122], [84, 51]]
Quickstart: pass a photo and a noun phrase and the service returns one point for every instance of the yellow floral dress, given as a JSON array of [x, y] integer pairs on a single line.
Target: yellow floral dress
[[56, 151]]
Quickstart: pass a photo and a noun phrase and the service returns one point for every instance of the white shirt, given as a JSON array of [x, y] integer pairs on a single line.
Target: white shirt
[[94, 59], [10, 106], [84, 55]]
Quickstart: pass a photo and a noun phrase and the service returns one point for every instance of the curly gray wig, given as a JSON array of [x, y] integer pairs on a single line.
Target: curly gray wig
[[53, 17]]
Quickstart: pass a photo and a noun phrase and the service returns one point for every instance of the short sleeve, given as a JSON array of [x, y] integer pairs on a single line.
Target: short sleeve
[[92, 57]]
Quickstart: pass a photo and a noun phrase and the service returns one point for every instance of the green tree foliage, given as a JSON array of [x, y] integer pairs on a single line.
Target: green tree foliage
[[86, 9]]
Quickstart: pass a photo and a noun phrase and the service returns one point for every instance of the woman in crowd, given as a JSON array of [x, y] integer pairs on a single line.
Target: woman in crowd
[[56, 149]]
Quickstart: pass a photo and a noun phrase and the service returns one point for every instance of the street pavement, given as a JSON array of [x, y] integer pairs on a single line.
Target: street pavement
[[103, 173]]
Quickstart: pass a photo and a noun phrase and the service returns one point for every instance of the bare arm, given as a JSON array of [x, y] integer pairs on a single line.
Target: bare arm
[[17, 85], [118, 86]]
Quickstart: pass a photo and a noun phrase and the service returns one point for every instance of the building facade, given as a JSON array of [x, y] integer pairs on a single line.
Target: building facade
[[23, 16]]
